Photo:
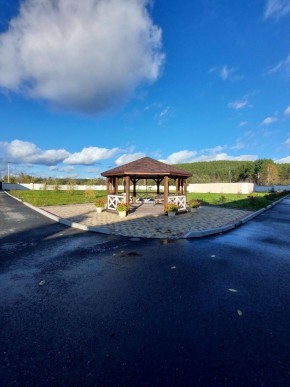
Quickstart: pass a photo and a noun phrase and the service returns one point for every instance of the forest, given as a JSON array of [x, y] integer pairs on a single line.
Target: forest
[[261, 172]]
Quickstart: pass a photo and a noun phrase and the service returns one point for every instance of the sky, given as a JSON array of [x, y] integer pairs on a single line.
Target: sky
[[86, 86]]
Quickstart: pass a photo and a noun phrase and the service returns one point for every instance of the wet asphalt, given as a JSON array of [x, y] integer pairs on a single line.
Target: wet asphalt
[[84, 309]]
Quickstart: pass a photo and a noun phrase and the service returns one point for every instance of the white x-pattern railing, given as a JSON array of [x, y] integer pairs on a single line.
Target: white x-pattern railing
[[114, 200], [180, 200]]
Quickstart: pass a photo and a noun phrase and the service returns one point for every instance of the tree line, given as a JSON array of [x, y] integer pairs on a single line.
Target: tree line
[[261, 172]]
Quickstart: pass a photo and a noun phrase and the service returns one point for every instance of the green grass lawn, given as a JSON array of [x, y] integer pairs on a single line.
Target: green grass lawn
[[255, 201], [55, 198]]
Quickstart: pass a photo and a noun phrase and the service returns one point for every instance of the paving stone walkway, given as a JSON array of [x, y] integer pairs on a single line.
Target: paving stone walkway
[[150, 226]]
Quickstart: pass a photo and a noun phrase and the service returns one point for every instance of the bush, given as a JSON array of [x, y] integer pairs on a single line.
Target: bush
[[171, 207], [123, 207]]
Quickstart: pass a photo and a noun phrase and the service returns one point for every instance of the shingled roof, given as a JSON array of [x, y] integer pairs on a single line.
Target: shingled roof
[[146, 167]]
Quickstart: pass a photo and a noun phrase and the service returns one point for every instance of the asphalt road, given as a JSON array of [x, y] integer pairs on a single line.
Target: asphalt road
[[82, 309]]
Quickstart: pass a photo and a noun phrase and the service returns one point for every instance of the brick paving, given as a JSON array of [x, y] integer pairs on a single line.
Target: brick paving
[[145, 225]]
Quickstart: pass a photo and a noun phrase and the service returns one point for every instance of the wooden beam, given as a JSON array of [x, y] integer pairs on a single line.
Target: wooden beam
[[127, 182], [134, 180], [185, 187], [116, 185], [177, 185], [166, 190]]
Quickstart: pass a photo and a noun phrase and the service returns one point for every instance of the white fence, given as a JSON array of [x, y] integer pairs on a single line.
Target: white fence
[[235, 188]]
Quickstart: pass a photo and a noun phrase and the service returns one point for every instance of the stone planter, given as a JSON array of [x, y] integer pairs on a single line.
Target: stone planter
[[171, 213], [99, 209], [122, 214]]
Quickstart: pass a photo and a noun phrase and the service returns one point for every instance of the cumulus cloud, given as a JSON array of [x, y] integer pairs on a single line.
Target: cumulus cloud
[[19, 152], [287, 111], [225, 156], [127, 158], [84, 55], [269, 120], [211, 154], [283, 160], [23, 152], [276, 8], [180, 157], [90, 155]]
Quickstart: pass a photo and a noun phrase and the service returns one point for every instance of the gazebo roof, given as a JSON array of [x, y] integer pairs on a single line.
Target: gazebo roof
[[146, 167]]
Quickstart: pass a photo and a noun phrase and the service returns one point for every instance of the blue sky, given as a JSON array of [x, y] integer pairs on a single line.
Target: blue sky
[[86, 86]]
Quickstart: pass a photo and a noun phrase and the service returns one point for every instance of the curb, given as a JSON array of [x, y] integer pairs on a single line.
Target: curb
[[219, 230], [79, 226], [190, 234]]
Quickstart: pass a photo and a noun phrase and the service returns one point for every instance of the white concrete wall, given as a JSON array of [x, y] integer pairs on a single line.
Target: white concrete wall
[[39, 187], [244, 188], [234, 188]]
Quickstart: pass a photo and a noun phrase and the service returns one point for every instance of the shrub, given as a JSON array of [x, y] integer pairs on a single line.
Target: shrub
[[100, 202], [171, 207], [90, 194], [193, 203], [123, 207], [222, 199]]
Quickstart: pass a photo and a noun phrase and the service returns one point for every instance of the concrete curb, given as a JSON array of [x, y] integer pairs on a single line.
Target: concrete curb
[[222, 229], [79, 226], [189, 235]]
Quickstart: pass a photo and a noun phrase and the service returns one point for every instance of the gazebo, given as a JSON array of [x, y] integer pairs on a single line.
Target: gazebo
[[145, 168]]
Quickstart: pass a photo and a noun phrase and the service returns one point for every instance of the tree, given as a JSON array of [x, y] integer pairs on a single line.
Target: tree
[[269, 173]]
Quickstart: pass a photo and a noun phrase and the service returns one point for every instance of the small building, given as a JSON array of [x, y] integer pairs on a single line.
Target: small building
[[145, 168]]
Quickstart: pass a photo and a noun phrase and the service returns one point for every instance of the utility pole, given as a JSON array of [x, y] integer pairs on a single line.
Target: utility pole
[[230, 175], [8, 173]]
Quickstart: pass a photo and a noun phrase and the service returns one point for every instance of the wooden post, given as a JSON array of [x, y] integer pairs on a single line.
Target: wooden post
[[185, 187], [177, 185], [134, 180], [127, 180], [108, 185], [116, 185], [166, 190]]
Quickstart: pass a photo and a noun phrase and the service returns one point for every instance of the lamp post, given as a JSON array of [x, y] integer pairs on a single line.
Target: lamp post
[[8, 171]]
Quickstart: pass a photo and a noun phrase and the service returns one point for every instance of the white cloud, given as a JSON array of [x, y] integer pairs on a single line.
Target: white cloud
[[242, 123], [239, 104], [127, 158], [165, 114], [84, 55], [19, 152], [214, 150], [90, 155], [238, 145], [283, 160], [225, 72], [287, 143], [283, 65], [287, 111], [269, 120], [180, 157], [225, 156], [276, 8]]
